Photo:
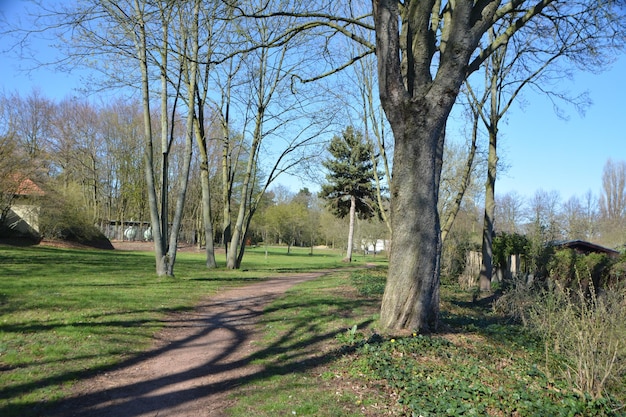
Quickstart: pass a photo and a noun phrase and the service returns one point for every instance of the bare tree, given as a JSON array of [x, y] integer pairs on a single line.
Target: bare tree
[[458, 169], [612, 202], [509, 213], [124, 173], [527, 61], [580, 217], [426, 50], [30, 119], [543, 217], [258, 98], [613, 197]]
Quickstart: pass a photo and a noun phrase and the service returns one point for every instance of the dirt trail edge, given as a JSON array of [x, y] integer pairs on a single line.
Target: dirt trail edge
[[199, 356]]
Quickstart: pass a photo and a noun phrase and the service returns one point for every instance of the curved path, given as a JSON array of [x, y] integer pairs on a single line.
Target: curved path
[[198, 358]]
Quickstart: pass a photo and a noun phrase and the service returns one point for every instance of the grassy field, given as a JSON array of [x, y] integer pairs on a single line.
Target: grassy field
[[65, 314]]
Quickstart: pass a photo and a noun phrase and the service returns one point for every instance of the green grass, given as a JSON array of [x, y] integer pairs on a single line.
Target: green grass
[[325, 357], [304, 331], [66, 314], [69, 313]]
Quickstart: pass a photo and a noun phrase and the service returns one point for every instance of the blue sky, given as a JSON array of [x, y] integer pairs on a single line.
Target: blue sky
[[541, 150], [545, 152]]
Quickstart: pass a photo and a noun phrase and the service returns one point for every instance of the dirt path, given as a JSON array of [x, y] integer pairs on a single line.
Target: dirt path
[[198, 358]]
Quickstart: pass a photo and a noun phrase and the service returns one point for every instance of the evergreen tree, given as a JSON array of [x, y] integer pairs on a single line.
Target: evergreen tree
[[350, 189]]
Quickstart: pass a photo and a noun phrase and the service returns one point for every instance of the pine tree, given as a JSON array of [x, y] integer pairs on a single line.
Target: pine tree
[[350, 189]]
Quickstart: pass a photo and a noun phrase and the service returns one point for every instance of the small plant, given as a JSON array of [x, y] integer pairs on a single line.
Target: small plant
[[350, 337], [517, 299]]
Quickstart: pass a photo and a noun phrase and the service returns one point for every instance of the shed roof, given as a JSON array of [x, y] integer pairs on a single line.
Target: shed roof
[[586, 247]]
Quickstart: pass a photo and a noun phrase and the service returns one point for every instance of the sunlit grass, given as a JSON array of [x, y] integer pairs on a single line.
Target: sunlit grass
[[480, 363], [302, 335], [66, 314]]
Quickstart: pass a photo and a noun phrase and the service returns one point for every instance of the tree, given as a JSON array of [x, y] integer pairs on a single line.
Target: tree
[[211, 26], [580, 217], [426, 49], [124, 185], [613, 202], [143, 35], [350, 189], [526, 61], [543, 216], [509, 213], [417, 105], [30, 118], [268, 144], [613, 197], [458, 170]]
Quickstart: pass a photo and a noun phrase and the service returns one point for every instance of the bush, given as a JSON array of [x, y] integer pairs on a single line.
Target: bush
[[572, 270], [582, 333], [430, 376], [65, 217], [579, 316]]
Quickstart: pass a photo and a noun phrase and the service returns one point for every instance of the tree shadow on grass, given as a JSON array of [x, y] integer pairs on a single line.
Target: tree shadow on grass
[[225, 328]]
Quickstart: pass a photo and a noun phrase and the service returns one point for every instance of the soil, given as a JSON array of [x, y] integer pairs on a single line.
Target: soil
[[198, 358]]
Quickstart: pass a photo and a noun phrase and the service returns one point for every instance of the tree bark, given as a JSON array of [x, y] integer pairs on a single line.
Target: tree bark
[[411, 298], [486, 266], [141, 45], [352, 215], [417, 107]]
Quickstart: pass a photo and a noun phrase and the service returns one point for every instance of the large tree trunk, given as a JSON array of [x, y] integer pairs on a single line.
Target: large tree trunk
[[411, 298], [417, 107]]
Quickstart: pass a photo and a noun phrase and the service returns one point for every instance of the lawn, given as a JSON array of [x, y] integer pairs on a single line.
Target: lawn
[[67, 313]]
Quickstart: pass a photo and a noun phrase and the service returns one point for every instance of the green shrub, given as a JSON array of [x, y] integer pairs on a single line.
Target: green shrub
[[573, 270], [507, 244], [64, 216], [579, 317]]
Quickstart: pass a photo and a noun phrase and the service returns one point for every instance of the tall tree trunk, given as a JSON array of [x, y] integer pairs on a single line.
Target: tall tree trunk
[[411, 298], [207, 219], [348, 257], [205, 186], [192, 73], [140, 44], [465, 182], [227, 165], [165, 148], [486, 266], [201, 140]]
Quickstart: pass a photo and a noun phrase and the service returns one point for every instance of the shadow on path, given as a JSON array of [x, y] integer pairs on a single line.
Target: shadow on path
[[200, 357]]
